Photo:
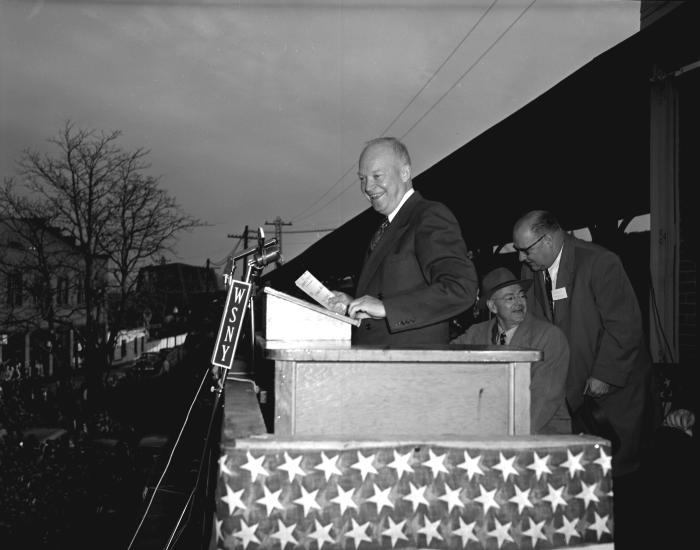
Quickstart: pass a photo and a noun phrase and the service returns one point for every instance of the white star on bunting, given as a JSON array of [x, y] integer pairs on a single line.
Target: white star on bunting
[[568, 529], [284, 534], [395, 531], [535, 532], [599, 525], [487, 498], [430, 530], [271, 500], [554, 497], [466, 532], [501, 532], [521, 498], [344, 499], [436, 463], [401, 464], [451, 497], [328, 466], [308, 500], [471, 465], [254, 466], [573, 463], [247, 534], [539, 466], [364, 464], [357, 533], [222, 466], [292, 466], [587, 494], [604, 461], [219, 522], [322, 534], [416, 497], [505, 466], [233, 499], [381, 498]]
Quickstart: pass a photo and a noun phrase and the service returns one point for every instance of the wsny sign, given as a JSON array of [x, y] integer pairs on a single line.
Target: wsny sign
[[231, 324]]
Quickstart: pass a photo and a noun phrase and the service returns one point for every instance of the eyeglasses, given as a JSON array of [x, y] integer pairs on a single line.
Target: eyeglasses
[[526, 250], [510, 299]]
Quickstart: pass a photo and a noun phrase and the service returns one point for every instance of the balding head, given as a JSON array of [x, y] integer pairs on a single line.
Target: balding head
[[538, 238]]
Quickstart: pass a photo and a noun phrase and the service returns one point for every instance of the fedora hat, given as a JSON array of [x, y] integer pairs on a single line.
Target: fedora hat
[[499, 278]]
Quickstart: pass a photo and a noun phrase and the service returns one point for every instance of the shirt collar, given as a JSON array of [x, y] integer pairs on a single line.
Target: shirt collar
[[406, 195], [554, 268]]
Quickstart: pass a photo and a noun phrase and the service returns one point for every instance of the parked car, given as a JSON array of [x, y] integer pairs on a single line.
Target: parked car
[[149, 362]]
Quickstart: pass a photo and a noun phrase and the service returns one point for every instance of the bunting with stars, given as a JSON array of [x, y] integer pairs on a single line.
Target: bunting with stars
[[414, 496]]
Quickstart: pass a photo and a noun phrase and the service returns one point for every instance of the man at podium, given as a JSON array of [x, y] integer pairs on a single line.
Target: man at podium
[[416, 273]]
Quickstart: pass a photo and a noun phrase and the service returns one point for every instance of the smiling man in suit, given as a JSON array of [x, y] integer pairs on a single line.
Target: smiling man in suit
[[416, 275], [512, 324]]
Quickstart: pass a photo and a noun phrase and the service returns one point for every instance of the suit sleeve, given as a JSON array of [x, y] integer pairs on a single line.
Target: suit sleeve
[[548, 378], [449, 278], [620, 317]]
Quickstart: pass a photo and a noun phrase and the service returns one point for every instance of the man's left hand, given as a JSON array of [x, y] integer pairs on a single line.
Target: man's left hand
[[596, 388], [367, 307]]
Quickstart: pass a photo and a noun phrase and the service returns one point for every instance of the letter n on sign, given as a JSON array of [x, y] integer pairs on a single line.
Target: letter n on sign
[[231, 323]]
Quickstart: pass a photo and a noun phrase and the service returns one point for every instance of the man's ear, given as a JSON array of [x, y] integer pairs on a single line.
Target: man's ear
[[405, 173], [492, 306]]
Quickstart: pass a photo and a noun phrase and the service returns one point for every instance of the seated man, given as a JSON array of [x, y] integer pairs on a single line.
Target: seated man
[[505, 298]]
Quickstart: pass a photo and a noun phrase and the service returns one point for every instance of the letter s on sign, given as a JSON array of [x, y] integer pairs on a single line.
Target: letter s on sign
[[234, 310]]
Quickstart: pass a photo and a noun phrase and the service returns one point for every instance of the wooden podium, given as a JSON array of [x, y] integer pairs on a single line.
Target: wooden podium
[[325, 386], [400, 449]]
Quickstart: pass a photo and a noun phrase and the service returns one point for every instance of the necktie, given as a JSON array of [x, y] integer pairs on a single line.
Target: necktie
[[378, 234], [497, 338], [548, 287]]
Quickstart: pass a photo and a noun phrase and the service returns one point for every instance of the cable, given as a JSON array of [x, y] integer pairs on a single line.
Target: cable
[[486, 51], [167, 465], [435, 104], [432, 77], [177, 532], [483, 15]]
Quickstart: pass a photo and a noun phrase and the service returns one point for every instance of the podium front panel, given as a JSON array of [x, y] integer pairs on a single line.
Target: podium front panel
[[389, 398]]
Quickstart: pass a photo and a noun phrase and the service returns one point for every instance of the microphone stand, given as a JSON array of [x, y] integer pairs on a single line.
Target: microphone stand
[[258, 257]]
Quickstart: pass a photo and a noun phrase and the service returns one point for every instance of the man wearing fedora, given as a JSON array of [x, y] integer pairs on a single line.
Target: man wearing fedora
[[504, 295]]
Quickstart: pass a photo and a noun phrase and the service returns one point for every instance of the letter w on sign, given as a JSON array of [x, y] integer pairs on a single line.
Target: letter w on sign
[[231, 323]]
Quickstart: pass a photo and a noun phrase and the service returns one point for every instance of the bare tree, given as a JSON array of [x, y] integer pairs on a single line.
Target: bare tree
[[99, 197]]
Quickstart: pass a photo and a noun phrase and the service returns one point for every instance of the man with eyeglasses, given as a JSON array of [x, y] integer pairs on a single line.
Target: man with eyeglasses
[[593, 302], [512, 324]]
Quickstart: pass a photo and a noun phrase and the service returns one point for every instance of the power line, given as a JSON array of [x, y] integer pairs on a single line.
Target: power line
[[465, 73], [432, 77], [474, 26], [491, 46]]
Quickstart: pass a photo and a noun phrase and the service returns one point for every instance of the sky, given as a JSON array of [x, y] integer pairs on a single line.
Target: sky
[[257, 110]]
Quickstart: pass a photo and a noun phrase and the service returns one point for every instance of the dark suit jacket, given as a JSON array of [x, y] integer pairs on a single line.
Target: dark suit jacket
[[548, 412], [602, 321], [420, 270]]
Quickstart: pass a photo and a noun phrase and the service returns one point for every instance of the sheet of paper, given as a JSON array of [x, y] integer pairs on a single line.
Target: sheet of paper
[[318, 291]]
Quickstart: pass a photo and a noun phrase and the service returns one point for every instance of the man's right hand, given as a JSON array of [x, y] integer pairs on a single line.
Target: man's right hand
[[339, 302]]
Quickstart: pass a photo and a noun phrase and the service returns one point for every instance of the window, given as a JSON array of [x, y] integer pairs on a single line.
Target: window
[[62, 291], [15, 289]]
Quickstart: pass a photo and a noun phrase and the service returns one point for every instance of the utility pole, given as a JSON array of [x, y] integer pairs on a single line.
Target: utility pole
[[244, 236], [278, 223]]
